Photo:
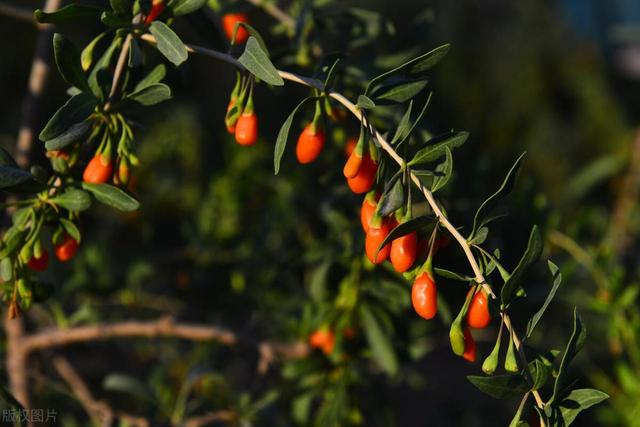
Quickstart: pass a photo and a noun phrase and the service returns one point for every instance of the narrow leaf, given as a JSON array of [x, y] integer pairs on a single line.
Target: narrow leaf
[[70, 13], [168, 43], [283, 136], [75, 110], [531, 255], [256, 61], [398, 93], [69, 136], [405, 228], [112, 196], [365, 103], [67, 59], [557, 279], [381, 348], [183, 7], [435, 147], [151, 95], [445, 169], [579, 400], [74, 200], [574, 345], [500, 386]]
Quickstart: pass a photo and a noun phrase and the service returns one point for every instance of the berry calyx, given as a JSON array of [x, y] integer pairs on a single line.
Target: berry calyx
[[39, 263], [67, 249], [478, 315], [229, 22], [98, 170], [469, 346], [424, 296], [403, 252], [323, 339], [310, 143]]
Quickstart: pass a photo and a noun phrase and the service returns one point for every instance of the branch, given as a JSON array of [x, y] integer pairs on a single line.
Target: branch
[[16, 12], [163, 327], [384, 144], [96, 409], [210, 418]]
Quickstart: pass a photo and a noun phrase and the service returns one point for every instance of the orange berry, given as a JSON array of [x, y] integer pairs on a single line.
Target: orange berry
[[366, 213], [229, 21], [323, 339], [478, 315], [247, 129], [99, 170], [310, 144], [403, 252], [424, 296], [375, 236], [67, 249], [366, 176]]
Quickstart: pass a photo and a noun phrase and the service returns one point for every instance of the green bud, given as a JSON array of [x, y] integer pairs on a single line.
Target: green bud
[[510, 362], [6, 269], [24, 290], [26, 253], [490, 364], [456, 336]]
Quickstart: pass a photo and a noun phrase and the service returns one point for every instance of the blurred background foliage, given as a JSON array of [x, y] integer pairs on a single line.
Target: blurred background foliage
[[221, 240]]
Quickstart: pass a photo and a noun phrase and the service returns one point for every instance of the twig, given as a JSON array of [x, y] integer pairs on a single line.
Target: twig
[[626, 201], [384, 144], [16, 360], [117, 74], [16, 12], [163, 327], [209, 418], [98, 410]]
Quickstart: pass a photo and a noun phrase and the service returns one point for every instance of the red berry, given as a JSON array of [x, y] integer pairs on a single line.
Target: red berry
[[98, 171], [247, 129], [310, 144], [67, 249], [424, 296], [403, 252], [478, 315], [156, 9], [39, 264], [469, 346], [229, 24]]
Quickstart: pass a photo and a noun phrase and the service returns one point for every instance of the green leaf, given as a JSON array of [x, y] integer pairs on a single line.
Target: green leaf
[[445, 169], [436, 147], [112, 196], [531, 255], [540, 372], [121, 7], [100, 76], [579, 400], [168, 43], [74, 200], [283, 135], [155, 76], [557, 279], [69, 136], [75, 110], [70, 13], [10, 176], [14, 239], [500, 386], [256, 61], [365, 103], [402, 136], [407, 227], [71, 229], [515, 421], [574, 345], [506, 187], [403, 128], [151, 95], [414, 68], [253, 32], [6, 269], [398, 93], [381, 348], [68, 61], [127, 384], [392, 197], [6, 159], [183, 7], [86, 57], [114, 21], [452, 275]]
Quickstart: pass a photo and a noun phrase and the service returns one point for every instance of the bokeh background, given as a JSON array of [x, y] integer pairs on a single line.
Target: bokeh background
[[221, 240]]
